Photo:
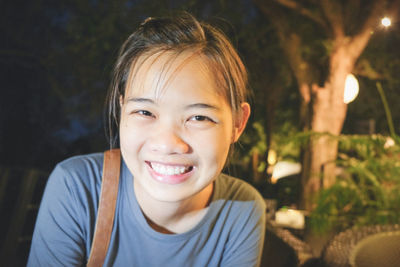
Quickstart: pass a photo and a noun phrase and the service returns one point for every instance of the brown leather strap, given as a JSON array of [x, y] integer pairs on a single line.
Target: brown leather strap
[[106, 209]]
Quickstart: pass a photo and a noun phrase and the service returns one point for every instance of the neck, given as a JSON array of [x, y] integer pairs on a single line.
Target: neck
[[174, 217]]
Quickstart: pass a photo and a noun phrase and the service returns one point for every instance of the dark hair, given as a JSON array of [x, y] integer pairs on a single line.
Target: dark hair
[[178, 34]]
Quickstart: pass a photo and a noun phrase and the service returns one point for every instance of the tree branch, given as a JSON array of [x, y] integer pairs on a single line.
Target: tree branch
[[360, 40], [303, 11], [290, 42], [332, 10]]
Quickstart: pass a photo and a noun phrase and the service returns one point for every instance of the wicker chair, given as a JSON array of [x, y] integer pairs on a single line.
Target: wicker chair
[[366, 246], [283, 249]]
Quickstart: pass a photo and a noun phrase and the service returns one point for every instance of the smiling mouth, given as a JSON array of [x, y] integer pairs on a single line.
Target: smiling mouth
[[170, 169]]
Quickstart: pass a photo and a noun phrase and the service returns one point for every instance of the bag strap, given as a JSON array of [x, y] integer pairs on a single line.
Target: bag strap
[[106, 209]]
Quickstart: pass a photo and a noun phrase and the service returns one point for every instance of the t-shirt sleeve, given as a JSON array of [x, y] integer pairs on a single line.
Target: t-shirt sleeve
[[59, 235], [246, 244]]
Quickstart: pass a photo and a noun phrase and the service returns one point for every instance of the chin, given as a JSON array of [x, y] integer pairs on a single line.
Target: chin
[[174, 195]]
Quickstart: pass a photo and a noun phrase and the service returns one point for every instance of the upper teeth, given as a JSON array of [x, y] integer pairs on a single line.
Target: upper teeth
[[168, 170]]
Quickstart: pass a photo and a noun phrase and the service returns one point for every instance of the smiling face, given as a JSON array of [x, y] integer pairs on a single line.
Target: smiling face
[[175, 129]]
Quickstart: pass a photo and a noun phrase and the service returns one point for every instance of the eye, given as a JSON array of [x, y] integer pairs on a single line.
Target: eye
[[201, 118], [144, 113]]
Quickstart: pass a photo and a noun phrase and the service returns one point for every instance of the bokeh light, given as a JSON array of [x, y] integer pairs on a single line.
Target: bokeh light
[[351, 89], [386, 22]]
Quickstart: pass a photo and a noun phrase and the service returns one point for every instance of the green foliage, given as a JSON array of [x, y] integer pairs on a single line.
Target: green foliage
[[286, 144], [254, 140], [285, 141], [367, 191]]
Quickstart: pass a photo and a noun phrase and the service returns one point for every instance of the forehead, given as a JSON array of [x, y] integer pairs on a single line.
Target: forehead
[[158, 71]]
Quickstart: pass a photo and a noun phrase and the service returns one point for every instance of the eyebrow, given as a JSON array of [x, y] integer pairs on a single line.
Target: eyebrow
[[202, 105], [140, 100], [195, 105]]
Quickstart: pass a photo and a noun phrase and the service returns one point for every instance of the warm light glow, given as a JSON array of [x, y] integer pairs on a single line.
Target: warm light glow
[[350, 89], [283, 169], [386, 22], [389, 142], [290, 218], [271, 157]]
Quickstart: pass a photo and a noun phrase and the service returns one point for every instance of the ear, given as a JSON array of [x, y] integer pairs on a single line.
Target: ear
[[241, 121]]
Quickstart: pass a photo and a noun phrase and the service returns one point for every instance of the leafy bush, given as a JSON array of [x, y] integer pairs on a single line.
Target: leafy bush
[[367, 190]]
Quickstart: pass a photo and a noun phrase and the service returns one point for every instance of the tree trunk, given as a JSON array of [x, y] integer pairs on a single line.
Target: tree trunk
[[328, 115]]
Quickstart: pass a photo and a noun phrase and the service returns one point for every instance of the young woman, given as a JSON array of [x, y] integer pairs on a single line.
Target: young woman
[[177, 104]]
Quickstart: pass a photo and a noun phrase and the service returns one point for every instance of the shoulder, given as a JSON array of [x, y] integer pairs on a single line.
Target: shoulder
[[240, 198], [82, 163], [73, 187], [237, 189], [243, 216], [79, 176], [67, 212], [80, 167]]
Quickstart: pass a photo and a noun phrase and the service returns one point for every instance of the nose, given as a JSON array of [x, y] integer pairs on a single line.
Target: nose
[[167, 140]]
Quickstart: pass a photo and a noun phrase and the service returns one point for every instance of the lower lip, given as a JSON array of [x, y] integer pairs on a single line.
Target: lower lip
[[170, 179]]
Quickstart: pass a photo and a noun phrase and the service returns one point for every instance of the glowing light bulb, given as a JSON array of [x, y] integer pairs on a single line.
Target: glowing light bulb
[[386, 22], [351, 89], [271, 157]]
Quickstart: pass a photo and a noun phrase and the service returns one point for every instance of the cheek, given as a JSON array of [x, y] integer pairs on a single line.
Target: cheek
[[123, 132], [130, 136], [216, 147]]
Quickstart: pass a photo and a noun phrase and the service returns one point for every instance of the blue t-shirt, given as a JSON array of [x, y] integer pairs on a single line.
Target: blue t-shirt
[[230, 234]]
